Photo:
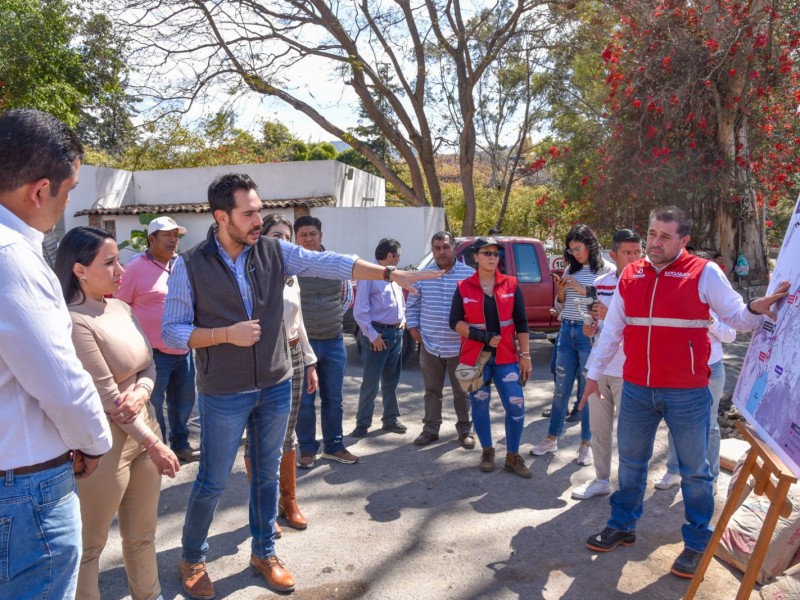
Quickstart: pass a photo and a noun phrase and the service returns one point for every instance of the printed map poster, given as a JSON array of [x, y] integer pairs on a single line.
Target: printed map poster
[[768, 390]]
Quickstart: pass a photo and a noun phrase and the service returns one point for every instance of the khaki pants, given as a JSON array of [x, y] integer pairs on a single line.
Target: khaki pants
[[125, 482], [433, 371], [601, 422]]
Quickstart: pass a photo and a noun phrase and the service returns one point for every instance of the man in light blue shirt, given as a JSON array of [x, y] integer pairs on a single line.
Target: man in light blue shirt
[[427, 318], [379, 310]]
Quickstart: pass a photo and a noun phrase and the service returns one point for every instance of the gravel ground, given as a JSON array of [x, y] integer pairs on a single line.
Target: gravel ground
[[419, 523]]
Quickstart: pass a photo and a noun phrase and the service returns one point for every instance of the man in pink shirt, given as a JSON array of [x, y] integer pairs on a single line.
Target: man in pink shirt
[[144, 287]]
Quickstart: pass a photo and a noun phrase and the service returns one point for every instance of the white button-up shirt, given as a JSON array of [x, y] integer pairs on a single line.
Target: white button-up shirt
[[48, 403]]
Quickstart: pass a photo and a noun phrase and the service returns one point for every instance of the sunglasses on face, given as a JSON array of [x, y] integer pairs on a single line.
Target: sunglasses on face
[[493, 254], [576, 250]]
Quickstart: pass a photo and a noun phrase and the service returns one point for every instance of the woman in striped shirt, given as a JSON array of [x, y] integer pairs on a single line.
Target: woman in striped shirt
[[585, 265]]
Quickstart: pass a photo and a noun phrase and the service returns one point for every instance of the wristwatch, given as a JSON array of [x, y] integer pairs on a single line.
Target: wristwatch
[[387, 273]]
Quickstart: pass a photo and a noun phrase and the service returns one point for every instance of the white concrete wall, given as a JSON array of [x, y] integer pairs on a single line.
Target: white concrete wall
[[98, 187], [358, 230], [276, 181]]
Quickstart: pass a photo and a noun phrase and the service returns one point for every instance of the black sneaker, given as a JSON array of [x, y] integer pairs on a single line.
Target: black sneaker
[[608, 539], [574, 416], [358, 432], [686, 563]]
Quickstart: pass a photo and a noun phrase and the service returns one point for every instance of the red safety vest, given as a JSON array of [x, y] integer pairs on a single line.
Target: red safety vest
[[666, 324], [472, 295]]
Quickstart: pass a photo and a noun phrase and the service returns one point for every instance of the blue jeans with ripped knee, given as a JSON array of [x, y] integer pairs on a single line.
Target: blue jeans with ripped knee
[[506, 381], [573, 352]]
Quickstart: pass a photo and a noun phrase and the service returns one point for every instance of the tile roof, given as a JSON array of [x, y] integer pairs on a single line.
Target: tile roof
[[202, 207]]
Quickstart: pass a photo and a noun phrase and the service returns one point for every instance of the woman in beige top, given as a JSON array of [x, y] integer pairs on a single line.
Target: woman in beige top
[[114, 351], [304, 374]]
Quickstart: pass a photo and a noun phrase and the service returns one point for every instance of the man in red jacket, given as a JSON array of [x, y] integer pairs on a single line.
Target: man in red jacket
[[661, 311]]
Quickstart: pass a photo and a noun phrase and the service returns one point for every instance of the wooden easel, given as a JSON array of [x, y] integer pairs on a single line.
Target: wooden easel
[[763, 465]]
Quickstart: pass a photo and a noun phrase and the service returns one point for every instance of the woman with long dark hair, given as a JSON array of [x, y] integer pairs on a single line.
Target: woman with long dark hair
[[112, 348], [586, 264]]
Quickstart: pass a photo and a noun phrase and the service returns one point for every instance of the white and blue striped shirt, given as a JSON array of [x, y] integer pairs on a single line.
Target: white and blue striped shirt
[[177, 323], [585, 277], [429, 311]]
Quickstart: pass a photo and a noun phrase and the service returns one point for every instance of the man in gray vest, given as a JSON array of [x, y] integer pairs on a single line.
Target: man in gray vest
[[222, 294], [324, 303]]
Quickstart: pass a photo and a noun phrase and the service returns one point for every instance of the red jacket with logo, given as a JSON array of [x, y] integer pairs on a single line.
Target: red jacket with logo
[[472, 294], [666, 324]]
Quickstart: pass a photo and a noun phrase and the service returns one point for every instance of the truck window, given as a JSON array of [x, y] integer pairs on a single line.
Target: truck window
[[528, 269]]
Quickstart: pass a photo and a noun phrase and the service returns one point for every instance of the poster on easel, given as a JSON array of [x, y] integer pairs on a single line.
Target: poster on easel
[[768, 390]]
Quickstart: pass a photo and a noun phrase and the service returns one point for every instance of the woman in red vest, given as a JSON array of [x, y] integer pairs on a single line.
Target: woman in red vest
[[488, 311]]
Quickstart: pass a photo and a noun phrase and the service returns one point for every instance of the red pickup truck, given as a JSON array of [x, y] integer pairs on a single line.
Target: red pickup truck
[[525, 259]]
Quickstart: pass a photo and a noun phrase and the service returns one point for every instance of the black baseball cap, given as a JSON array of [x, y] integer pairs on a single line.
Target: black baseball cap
[[485, 241]]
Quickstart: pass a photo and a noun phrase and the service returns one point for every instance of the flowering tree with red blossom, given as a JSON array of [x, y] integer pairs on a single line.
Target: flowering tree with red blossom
[[701, 106]]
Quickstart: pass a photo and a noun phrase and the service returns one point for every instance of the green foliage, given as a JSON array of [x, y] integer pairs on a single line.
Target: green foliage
[[105, 113], [533, 211], [576, 99], [55, 58], [354, 158], [168, 144], [39, 68], [322, 151], [280, 144]]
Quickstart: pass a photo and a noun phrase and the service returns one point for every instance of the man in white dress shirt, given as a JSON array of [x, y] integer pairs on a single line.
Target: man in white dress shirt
[[662, 309], [52, 422]]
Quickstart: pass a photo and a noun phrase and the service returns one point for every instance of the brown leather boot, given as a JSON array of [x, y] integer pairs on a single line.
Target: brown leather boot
[[277, 577], [196, 582], [287, 505]]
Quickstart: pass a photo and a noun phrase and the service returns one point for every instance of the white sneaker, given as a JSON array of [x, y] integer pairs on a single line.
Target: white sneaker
[[546, 446], [585, 456], [595, 487], [669, 480]]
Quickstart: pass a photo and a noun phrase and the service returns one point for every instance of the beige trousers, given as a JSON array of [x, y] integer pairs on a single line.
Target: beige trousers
[[126, 483], [602, 410]]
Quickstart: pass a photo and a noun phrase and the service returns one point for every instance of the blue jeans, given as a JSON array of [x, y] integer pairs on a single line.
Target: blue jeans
[[573, 352], [686, 412], [716, 385], [331, 361], [223, 419], [40, 534], [382, 367], [506, 381], [175, 381]]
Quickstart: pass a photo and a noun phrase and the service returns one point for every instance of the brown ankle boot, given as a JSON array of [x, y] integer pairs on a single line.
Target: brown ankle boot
[[287, 505]]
